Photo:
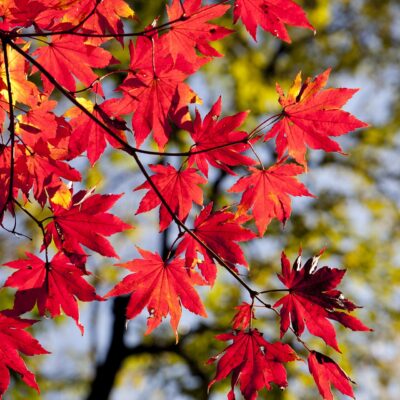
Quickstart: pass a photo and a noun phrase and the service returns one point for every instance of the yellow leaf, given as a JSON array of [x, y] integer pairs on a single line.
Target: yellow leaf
[[63, 196]]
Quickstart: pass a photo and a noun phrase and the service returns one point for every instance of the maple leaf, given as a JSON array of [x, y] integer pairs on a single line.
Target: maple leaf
[[219, 231], [164, 286], [213, 133], [110, 12], [192, 30], [85, 222], [179, 189], [87, 135], [310, 116], [24, 12], [91, 16], [45, 139], [52, 286], [312, 300], [46, 172], [15, 340], [271, 15], [106, 17], [64, 58], [57, 15], [21, 179], [266, 192], [23, 91], [326, 373], [253, 362], [243, 317], [155, 91], [45, 149]]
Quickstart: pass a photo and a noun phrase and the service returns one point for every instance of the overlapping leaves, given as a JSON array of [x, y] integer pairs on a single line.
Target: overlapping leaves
[[61, 42]]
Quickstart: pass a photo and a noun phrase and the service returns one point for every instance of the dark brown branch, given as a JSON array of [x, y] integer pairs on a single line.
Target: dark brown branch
[[106, 372], [11, 127]]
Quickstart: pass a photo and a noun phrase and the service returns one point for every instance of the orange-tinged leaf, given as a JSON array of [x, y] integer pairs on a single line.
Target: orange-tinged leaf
[[266, 192], [23, 91], [310, 116], [163, 286], [63, 196]]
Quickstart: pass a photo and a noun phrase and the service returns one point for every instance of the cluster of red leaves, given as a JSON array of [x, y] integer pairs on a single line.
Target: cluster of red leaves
[[312, 299], [61, 42]]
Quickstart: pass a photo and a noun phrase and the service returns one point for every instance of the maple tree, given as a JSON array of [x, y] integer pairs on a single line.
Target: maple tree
[[52, 48]]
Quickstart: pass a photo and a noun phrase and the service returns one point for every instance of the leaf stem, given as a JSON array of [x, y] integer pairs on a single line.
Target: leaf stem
[[38, 222]]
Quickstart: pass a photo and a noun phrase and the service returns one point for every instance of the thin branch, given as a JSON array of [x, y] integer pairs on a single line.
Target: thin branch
[[257, 156], [274, 291], [269, 121], [182, 8], [38, 222], [99, 79], [11, 127], [80, 24], [145, 32]]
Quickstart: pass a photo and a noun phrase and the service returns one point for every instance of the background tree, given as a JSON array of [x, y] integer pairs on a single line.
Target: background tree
[[354, 223]]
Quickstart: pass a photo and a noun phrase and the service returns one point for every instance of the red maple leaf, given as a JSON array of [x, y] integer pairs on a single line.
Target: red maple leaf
[[266, 192], [109, 14], [179, 189], [85, 222], [194, 31], [214, 133], [271, 15], [21, 179], [65, 59], [243, 317], [52, 15], [310, 116], [87, 135], [253, 362], [44, 152], [163, 286], [313, 300], [154, 91], [326, 373], [23, 12], [106, 18], [219, 231], [15, 340], [52, 286]]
